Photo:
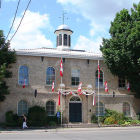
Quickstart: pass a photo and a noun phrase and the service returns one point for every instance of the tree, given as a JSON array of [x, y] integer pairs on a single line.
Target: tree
[[122, 50], [7, 57]]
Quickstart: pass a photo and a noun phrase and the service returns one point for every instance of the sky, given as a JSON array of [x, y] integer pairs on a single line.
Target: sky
[[88, 19]]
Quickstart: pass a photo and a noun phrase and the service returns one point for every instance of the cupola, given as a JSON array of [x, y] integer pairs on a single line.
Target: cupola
[[63, 37]]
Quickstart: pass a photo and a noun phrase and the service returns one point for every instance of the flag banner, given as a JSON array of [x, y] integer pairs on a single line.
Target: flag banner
[[24, 82], [72, 93], [128, 87], [53, 86], [58, 98], [94, 99], [61, 68], [98, 69], [106, 89], [80, 86]]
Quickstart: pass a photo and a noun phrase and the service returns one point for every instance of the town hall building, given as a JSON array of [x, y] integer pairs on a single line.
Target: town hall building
[[42, 66]]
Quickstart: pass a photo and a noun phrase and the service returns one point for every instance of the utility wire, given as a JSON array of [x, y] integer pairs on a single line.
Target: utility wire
[[55, 12], [13, 20], [21, 20], [18, 10]]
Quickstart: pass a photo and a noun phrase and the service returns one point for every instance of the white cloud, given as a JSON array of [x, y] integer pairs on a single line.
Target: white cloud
[[84, 43], [100, 13], [30, 33]]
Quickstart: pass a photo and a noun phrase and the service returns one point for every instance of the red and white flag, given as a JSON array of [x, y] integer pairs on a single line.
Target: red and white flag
[[128, 87], [53, 86], [94, 99], [98, 69], [106, 89], [24, 82], [58, 98], [80, 86], [61, 68]]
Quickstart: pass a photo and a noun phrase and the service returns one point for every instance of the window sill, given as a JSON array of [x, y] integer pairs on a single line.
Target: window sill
[[22, 85]]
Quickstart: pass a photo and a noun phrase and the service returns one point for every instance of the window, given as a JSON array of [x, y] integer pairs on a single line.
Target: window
[[100, 79], [65, 39], [60, 40], [69, 41], [23, 73], [22, 107], [101, 109], [57, 41], [50, 75], [75, 77], [75, 98], [50, 108], [121, 82], [126, 109]]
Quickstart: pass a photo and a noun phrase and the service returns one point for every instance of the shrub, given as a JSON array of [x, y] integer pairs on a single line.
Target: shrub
[[9, 119], [94, 119], [109, 120], [37, 116]]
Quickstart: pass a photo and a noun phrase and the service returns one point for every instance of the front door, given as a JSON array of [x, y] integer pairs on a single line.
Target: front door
[[75, 112]]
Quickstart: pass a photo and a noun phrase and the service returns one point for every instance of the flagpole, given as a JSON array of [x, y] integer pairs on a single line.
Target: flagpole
[[61, 99], [98, 95]]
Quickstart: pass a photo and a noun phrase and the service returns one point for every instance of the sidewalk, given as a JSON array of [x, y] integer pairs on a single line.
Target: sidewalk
[[65, 129]]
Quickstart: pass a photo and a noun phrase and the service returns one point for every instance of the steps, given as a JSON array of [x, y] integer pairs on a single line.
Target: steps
[[80, 125]]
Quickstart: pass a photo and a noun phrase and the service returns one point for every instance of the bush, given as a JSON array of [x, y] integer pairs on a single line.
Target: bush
[[37, 116], [53, 119], [9, 119], [94, 119], [109, 120]]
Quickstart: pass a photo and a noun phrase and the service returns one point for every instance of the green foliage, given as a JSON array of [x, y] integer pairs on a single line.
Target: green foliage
[[37, 116], [7, 58], [109, 120], [53, 119], [122, 50], [94, 119], [9, 119]]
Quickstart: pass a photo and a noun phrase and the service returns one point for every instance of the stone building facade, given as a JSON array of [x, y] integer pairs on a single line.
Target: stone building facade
[[41, 67]]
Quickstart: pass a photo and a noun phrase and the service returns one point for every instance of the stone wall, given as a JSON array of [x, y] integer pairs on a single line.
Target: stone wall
[[37, 80]]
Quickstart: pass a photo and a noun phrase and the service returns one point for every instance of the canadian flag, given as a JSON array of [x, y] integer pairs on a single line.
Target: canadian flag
[[53, 86], [24, 82], [106, 89], [61, 68], [128, 87], [58, 98], [98, 69], [80, 86]]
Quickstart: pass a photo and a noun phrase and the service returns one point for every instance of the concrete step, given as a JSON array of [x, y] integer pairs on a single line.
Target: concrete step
[[80, 125]]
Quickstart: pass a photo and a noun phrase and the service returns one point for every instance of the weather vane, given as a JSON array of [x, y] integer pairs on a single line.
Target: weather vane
[[63, 17]]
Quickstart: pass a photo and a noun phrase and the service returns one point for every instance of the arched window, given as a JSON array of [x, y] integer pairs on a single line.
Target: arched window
[[50, 108], [101, 109], [75, 98], [50, 75], [100, 79], [22, 107], [60, 40], [65, 39], [75, 77], [23, 73], [126, 109]]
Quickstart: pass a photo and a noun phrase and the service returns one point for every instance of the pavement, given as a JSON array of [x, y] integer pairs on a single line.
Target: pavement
[[28, 130]]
